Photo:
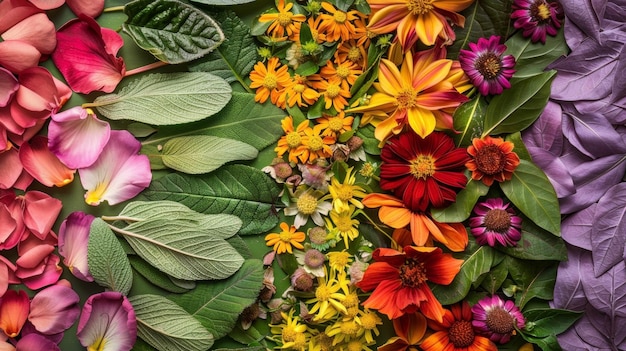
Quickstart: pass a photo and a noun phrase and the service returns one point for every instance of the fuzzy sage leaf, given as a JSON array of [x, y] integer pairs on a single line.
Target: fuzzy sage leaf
[[107, 260], [159, 98], [172, 31], [167, 326]]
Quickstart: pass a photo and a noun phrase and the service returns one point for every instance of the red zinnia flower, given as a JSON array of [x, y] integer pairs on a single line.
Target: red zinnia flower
[[424, 171], [492, 159], [456, 333], [399, 280]]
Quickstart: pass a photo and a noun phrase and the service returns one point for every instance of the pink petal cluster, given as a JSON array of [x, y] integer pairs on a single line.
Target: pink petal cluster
[[91, 8], [26, 223], [108, 319]]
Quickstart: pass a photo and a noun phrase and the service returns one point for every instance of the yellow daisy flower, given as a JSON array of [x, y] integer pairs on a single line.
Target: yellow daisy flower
[[369, 321], [337, 24], [315, 145], [346, 72], [346, 193], [335, 125], [299, 92], [343, 224], [293, 334], [344, 330], [351, 51], [339, 260], [283, 241], [292, 140], [284, 22], [329, 294], [269, 81], [335, 95]]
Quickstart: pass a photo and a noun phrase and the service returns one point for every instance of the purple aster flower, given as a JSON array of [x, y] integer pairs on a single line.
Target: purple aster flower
[[495, 222], [484, 64], [497, 319], [537, 18]]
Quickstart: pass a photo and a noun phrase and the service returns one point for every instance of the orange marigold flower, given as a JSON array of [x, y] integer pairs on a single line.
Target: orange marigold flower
[[292, 140], [335, 125], [269, 81], [283, 241], [425, 20], [350, 50], [423, 228], [284, 21], [362, 34], [314, 23], [492, 159], [346, 72], [417, 95], [398, 280], [314, 145], [337, 24], [456, 333], [334, 94], [298, 92]]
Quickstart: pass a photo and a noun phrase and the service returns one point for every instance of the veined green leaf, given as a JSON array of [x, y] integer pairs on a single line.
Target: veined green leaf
[[241, 119], [537, 244], [217, 305], [549, 321], [468, 120], [495, 277], [370, 143], [243, 191], [532, 58], [518, 107], [235, 58], [197, 154], [462, 208], [154, 275], [167, 326], [477, 261], [222, 2], [534, 279], [172, 31], [167, 98], [107, 260], [532, 193], [181, 249], [482, 19]]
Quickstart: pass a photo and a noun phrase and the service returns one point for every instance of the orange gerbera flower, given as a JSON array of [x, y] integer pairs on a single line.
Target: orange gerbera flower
[[346, 72], [298, 92], [456, 333], [292, 140], [396, 215], [284, 21], [283, 241], [417, 95], [417, 19], [269, 81], [337, 24], [492, 159], [398, 280]]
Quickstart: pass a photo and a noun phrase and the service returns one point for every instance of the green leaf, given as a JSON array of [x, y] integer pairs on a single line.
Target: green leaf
[[547, 343], [370, 143], [167, 326], [154, 275], [241, 119], [468, 120], [197, 154], [477, 261], [166, 98], [462, 208], [140, 130], [243, 191], [246, 337], [518, 107], [543, 322], [170, 30], [482, 19], [534, 279], [537, 244], [107, 260], [217, 305], [222, 2], [518, 146], [532, 193], [235, 58], [495, 277], [182, 249], [532, 58]]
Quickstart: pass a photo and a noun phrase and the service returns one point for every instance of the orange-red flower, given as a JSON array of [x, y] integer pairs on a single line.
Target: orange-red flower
[[492, 159], [398, 280], [395, 214], [456, 333], [423, 171], [425, 20], [269, 81], [410, 329], [419, 95]]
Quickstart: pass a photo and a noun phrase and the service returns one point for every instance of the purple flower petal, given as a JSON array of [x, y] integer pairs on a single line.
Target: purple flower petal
[[73, 241], [36, 342], [54, 309], [107, 319]]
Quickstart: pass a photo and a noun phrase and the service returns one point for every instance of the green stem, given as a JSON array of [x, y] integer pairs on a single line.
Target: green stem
[[120, 218], [114, 9], [145, 68]]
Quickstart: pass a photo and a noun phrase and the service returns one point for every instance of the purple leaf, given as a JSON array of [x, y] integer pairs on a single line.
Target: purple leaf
[[592, 134], [576, 229], [554, 169], [586, 15], [594, 331], [592, 179], [546, 132], [607, 292], [568, 289], [608, 234]]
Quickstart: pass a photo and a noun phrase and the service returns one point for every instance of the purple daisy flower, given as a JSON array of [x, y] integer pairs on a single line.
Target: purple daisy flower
[[484, 64], [495, 221], [537, 18], [497, 319]]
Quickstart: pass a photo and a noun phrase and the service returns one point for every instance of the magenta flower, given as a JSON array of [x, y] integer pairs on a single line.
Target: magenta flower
[[497, 319], [54, 309], [119, 174], [484, 64], [537, 18], [43, 165], [86, 56], [77, 137], [495, 222], [107, 322], [73, 241]]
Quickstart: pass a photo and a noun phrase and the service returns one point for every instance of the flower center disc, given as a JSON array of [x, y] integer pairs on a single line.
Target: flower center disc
[[343, 72], [500, 321], [315, 143], [540, 11], [340, 17], [293, 139], [270, 81], [498, 220], [422, 167], [419, 7], [490, 159], [306, 204], [413, 273], [284, 19], [407, 98], [461, 334], [488, 65], [333, 90]]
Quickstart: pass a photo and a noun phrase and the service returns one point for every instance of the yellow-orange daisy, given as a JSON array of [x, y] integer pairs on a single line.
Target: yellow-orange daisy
[[334, 94], [284, 241], [314, 145], [492, 159], [335, 125], [337, 24], [350, 50], [346, 72], [298, 92], [269, 81], [292, 140], [425, 20], [284, 22]]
